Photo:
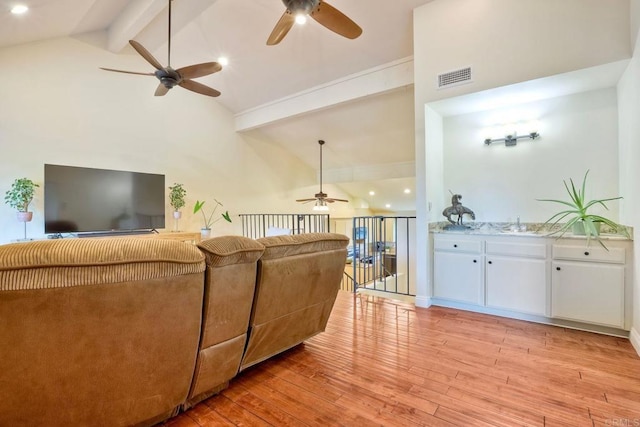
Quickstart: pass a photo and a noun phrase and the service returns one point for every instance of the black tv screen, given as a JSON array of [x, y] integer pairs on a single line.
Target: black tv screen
[[79, 200]]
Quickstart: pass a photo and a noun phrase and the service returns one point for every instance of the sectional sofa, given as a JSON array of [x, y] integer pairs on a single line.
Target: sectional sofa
[[126, 331]]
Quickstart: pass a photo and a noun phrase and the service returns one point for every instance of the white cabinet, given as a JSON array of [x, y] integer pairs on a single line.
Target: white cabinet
[[458, 277], [588, 285], [559, 281], [457, 270], [516, 274]]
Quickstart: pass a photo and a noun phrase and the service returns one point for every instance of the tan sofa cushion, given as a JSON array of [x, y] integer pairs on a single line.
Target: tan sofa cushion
[[78, 262], [298, 281], [229, 287], [100, 332]]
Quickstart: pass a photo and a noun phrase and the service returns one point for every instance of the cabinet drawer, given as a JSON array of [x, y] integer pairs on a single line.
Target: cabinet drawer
[[529, 250], [591, 253], [458, 245]]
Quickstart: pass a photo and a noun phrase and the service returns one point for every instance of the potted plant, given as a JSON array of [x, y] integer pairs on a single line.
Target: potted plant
[[20, 196], [176, 199], [208, 219], [579, 220]]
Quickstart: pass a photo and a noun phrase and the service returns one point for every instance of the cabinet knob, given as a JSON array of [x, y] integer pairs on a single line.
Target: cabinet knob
[[455, 246], [475, 260], [558, 268], [586, 253], [490, 262]]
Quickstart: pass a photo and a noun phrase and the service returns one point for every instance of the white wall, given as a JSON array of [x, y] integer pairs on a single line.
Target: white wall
[[58, 107], [508, 41], [629, 123], [578, 133], [505, 42]]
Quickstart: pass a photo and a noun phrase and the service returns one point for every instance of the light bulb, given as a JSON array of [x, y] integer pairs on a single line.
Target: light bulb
[[301, 19], [19, 9]]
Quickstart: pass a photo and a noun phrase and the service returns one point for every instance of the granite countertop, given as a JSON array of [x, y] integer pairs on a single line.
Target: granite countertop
[[533, 229]]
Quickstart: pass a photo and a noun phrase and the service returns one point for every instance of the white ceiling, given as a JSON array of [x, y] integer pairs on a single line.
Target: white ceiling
[[369, 142], [376, 131]]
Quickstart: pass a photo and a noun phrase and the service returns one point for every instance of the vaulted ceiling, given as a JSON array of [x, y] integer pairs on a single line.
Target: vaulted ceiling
[[365, 138]]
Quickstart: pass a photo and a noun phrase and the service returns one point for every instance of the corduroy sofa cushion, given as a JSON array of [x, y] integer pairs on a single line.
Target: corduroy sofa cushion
[[50, 264], [227, 250], [284, 246]]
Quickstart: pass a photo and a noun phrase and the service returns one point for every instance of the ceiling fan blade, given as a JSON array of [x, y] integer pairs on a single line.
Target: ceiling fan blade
[[305, 200], [331, 200], [127, 72], [281, 29], [199, 70], [161, 90], [199, 88], [145, 54], [336, 21]]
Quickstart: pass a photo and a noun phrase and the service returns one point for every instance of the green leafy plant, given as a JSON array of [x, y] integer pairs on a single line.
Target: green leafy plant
[[208, 219], [21, 194], [576, 213], [176, 196]]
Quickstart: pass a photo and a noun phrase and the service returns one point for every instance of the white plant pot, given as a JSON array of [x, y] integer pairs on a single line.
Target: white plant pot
[[205, 233], [24, 216], [177, 214], [578, 228]]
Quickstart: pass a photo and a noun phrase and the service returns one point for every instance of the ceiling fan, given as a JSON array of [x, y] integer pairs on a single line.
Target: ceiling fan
[[321, 198], [321, 11], [169, 77]]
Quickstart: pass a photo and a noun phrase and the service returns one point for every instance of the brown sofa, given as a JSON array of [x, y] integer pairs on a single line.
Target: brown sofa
[[115, 332]]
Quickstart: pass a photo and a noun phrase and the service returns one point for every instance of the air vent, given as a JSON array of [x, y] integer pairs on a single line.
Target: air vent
[[454, 78]]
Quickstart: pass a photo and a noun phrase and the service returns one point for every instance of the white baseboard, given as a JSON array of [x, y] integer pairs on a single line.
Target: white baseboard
[[423, 301], [634, 337]]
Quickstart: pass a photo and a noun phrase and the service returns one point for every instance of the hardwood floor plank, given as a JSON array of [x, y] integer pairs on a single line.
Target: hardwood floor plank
[[236, 414], [387, 363], [270, 413]]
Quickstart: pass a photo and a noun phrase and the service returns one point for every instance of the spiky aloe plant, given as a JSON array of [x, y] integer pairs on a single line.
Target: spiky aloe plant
[[577, 213]]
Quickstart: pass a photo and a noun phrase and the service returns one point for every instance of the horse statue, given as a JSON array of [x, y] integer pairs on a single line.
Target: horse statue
[[456, 208]]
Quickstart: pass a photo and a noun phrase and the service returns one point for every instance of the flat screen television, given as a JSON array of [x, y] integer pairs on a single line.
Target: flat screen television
[[85, 200]]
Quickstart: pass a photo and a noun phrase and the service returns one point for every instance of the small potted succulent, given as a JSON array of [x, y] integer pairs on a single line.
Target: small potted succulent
[[579, 221], [20, 196], [208, 220]]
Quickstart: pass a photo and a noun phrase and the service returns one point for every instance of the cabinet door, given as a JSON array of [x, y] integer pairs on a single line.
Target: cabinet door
[[458, 277], [518, 284], [588, 292]]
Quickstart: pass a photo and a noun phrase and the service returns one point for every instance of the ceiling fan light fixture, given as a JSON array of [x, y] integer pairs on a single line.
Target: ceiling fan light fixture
[[301, 18], [321, 205]]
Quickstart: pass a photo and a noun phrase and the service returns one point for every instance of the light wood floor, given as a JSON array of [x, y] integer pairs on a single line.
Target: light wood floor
[[383, 362]]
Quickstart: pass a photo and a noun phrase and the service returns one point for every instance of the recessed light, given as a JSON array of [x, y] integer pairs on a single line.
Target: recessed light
[[301, 19], [388, 205], [372, 193], [407, 191], [19, 9], [223, 60]]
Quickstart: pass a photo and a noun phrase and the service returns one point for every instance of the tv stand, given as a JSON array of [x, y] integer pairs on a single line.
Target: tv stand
[[117, 233], [182, 236]]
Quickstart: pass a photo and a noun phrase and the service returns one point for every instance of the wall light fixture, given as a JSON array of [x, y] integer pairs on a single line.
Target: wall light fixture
[[512, 139]]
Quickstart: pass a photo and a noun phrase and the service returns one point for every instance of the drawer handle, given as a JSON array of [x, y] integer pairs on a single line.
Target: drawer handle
[[455, 246], [558, 268], [586, 253]]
